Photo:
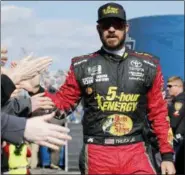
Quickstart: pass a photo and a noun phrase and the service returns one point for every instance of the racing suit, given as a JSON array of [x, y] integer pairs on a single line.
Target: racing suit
[[118, 92]]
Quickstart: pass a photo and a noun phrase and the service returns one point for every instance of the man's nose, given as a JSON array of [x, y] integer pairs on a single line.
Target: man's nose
[[168, 89], [111, 29]]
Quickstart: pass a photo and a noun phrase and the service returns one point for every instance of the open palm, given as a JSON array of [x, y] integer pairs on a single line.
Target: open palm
[[31, 85]]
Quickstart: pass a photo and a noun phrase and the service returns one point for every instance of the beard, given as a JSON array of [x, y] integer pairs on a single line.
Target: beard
[[118, 46]]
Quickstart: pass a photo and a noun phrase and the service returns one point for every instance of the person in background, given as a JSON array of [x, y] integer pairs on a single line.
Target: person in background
[[17, 156], [16, 130], [177, 119]]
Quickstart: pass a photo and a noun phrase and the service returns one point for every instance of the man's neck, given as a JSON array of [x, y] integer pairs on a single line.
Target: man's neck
[[119, 52]]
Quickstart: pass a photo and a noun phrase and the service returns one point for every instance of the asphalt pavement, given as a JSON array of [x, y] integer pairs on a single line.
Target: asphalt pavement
[[51, 171]]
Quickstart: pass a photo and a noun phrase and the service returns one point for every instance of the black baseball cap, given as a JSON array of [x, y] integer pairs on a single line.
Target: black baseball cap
[[111, 10]]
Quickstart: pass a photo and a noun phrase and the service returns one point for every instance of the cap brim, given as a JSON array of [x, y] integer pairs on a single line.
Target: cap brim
[[103, 18]]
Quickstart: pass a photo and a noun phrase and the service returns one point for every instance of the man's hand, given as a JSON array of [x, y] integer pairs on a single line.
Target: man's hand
[[28, 68], [13, 64], [167, 167], [39, 131], [16, 93], [31, 85], [40, 102]]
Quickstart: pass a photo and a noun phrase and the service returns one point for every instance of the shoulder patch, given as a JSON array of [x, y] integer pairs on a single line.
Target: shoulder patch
[[146, 56], [177, 106], [150, 63], [83, 57]]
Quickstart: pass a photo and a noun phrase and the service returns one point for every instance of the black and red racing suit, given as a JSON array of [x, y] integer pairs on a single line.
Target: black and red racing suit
[[118, 92]]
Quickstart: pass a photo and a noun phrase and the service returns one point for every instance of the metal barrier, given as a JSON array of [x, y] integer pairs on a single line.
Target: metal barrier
[[73, 147]]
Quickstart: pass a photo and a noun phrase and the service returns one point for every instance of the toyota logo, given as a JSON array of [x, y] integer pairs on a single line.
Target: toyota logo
[[136, 63]]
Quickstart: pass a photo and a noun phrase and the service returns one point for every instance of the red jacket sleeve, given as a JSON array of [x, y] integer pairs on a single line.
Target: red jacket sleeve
[[68, 94], [6, 149], [28, 152], [158, 114]]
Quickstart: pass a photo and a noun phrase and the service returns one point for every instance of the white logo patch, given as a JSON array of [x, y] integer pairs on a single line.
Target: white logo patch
[[90, 140], [87, 80], [136, 74], [136, 78], [95, 70], [149, 63], [100, 78], [79, 62], [136, 63], [136, 71]]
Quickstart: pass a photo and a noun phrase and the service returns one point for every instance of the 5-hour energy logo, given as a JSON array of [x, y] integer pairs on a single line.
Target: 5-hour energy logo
[[113, 102]]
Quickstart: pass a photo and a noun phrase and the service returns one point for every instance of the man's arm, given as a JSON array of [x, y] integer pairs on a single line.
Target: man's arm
[[69, 93], [23, 105], [7, 87], [12, 128], [158, 115], [20, 106], [38, 130]]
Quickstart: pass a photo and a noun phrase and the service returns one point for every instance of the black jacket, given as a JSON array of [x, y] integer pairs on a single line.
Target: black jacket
[[19, 106], [177, 114], [12, 128], [7, 87]]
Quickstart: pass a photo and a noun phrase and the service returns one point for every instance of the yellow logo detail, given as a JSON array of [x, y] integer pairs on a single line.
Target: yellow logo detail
[[118, 125], [170, 137], [110, 9], [125, 55], [144, 54], [178, 106], [113, 102]]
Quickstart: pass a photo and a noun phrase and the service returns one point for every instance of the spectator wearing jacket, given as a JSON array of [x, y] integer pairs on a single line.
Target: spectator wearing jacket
[[177, 119]]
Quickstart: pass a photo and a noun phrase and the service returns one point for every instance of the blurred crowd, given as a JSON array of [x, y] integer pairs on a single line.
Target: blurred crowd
[[28, 125]]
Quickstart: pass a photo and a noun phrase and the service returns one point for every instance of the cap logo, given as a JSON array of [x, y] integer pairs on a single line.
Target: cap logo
[[111, 10]]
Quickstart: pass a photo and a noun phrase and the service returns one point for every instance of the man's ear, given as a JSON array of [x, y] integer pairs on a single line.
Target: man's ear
[[98, 28], [127, 27]]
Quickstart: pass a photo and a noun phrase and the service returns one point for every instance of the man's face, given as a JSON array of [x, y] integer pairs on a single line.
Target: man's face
[[174, 88], [112, 33]]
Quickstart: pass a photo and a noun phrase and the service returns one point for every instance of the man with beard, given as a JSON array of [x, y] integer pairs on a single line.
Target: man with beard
[[121, 86]]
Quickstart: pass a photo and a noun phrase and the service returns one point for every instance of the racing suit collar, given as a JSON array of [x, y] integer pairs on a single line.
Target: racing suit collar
[[117, 52], [110, 56]]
